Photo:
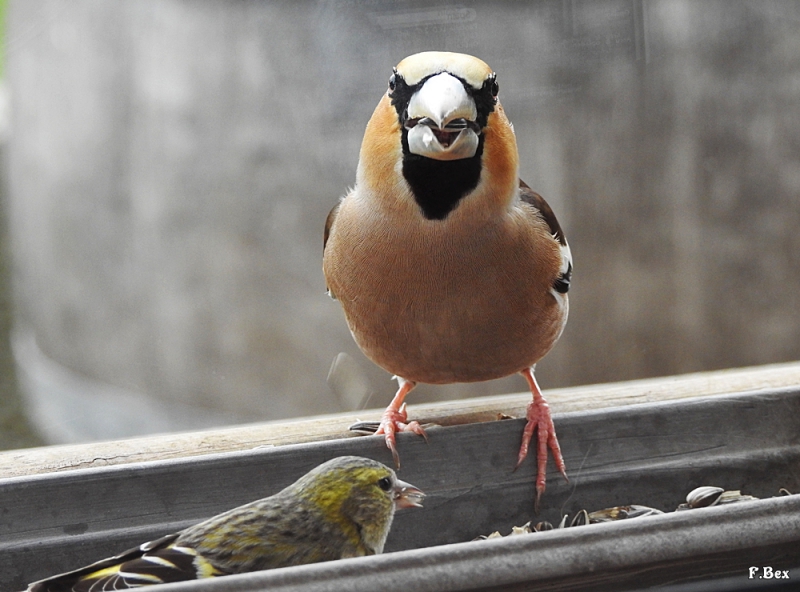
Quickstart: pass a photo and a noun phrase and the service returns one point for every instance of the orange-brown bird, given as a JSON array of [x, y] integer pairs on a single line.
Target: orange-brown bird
[[448, 267]]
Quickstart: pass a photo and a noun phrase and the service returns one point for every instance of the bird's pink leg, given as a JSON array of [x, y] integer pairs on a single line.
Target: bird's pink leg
[[395, 418], [539, 420]]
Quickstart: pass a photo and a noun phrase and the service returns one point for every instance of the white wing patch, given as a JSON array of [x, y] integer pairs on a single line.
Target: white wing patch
[[566, 258], [565, 274]]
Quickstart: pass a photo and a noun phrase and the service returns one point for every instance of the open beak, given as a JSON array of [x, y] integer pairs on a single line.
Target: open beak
[[441, 120], [407, 496]]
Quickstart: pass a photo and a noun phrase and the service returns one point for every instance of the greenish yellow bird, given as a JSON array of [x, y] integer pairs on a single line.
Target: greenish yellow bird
[[342, 508]]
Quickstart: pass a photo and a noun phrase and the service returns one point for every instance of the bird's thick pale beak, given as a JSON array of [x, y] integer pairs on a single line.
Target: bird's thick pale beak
[[441, 120], [407, 496]]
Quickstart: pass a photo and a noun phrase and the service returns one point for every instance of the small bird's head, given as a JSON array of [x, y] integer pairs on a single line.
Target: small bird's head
[[352, 489], [441, 118]]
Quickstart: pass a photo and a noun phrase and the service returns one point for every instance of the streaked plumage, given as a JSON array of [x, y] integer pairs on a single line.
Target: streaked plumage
[[342, 508], [447, 266]]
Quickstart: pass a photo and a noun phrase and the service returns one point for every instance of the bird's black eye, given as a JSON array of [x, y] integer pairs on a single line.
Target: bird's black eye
[[385, 483], [393, 81], [495, 88]]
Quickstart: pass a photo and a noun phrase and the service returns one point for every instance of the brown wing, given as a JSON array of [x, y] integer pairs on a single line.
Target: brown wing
[[529, 196], [328, 223]]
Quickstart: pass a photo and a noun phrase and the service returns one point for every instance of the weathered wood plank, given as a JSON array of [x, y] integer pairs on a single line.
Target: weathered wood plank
[[58, 458], [650, 454]]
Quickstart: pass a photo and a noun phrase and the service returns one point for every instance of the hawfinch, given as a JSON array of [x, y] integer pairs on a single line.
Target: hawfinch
[[448, 267]]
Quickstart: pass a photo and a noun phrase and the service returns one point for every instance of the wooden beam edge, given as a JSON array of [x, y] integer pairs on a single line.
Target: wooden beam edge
[[32, 461]]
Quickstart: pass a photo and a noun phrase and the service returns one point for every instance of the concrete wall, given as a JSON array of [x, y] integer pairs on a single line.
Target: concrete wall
[[171, 164]]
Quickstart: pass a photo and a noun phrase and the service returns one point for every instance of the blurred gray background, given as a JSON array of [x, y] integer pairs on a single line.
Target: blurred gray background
[[169, 165]]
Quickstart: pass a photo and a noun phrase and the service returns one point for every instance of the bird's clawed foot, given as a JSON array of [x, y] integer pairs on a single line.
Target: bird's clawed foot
[[396, 420], [540, 421]]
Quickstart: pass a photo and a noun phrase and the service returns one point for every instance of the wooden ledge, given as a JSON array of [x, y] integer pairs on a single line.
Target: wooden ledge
[[48, 459]]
